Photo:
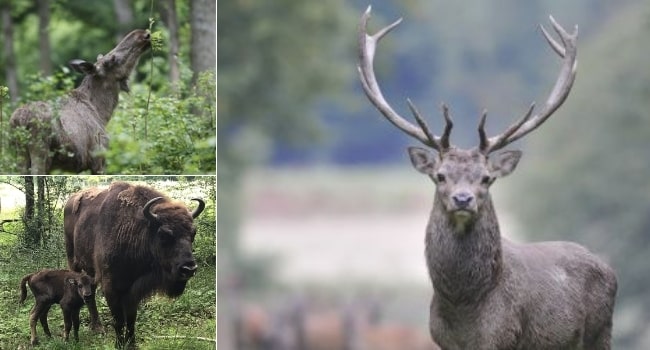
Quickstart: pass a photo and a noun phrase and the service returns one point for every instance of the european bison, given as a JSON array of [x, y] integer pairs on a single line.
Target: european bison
[[67, 288], [135, 241], [69, 135]]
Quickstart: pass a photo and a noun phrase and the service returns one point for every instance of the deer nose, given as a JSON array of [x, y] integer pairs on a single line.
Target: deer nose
[[462, 199]]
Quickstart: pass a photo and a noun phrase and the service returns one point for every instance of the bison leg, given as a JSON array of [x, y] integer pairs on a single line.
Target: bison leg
[[115, 305], [70, 321], [67, 322], [95, 322], [43, 318], [131, 311], [34, 316], [75, 323]]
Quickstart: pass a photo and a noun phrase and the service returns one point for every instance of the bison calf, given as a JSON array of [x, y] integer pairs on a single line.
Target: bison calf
[[69, 289]]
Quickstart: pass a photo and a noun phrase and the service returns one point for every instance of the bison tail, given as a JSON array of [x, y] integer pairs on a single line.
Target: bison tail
[[23, 288]]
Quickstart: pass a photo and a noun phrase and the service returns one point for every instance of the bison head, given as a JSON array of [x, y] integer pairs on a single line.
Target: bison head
[[172, 228], [82, 285]]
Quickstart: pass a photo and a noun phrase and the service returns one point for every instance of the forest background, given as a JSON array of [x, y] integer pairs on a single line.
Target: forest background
[[166, 124], [296, 133]]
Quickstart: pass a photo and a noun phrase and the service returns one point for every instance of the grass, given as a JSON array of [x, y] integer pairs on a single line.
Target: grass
[[188, 322]]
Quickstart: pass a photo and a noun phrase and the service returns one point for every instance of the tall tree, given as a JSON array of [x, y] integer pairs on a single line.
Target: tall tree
[[8, 49], [124, 15], [275, 58], [203, 26], [171, 21], [44, 36], [32, 237]]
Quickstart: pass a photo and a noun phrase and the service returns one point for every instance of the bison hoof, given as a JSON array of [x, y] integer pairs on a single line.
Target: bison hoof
[[34, 341]]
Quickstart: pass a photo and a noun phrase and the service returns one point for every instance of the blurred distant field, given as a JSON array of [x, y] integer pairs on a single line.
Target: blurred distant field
[[328, 224]]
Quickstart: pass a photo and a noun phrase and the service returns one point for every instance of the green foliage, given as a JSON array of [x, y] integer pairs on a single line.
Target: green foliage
[[275, 59], [175, 135], [187, 322], [587, 170]]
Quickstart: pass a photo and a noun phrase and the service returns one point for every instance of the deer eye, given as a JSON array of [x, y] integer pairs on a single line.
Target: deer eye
[[440, 177], [485, 180]]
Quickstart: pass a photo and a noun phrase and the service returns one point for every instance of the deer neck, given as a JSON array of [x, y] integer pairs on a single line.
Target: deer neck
[[464, 260]]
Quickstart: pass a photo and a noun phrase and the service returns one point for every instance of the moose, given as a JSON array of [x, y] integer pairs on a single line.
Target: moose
[[70, 135], [71, 290], [490, 292], [135, 242]]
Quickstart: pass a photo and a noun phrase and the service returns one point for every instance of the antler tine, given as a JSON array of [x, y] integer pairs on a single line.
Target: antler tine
[[568, 51], [444, 139], [488, 145], [423, 125], [367, 47], [482, 138]]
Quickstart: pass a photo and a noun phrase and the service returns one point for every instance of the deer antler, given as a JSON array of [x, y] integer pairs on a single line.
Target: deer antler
[[568, 51], [367, 47]]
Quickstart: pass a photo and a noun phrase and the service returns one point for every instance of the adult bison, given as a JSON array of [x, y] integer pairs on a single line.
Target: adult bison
[[135, 241]]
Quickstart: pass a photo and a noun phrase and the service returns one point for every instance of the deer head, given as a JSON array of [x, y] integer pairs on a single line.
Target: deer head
[[463, 177]]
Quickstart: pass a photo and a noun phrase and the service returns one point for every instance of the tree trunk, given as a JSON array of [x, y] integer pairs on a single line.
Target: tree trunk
[[40, 206], [44, 36], [124, 14], [32, 234], [172, 25], [203, 56], [8, 48]]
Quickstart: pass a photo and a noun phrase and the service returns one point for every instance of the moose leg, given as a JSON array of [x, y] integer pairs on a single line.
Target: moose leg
[[97, 166], [39, 157]]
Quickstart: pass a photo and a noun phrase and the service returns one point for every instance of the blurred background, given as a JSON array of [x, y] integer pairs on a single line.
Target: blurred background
[[320, 216]]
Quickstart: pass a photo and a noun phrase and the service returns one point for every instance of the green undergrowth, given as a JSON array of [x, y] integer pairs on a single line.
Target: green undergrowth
[[187, 322]]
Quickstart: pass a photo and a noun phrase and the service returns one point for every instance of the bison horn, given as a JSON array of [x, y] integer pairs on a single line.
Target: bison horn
[[147, 209], [199, 209]]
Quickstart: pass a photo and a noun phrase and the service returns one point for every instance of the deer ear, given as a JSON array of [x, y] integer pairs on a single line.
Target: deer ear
[[504, 163], [82, 66], [422, 159]]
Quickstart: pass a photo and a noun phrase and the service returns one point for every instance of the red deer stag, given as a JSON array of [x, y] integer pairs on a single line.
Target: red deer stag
[[489, 292]]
